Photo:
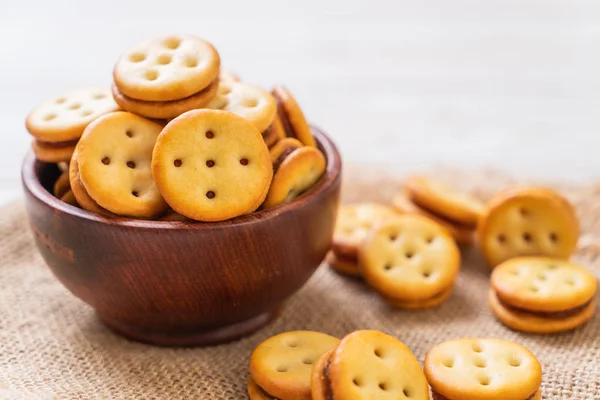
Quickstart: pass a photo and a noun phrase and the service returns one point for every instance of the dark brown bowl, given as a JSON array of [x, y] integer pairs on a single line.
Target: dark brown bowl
[[184, 283]]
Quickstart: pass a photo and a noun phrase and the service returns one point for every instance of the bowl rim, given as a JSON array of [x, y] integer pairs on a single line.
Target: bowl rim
[[33, 186]]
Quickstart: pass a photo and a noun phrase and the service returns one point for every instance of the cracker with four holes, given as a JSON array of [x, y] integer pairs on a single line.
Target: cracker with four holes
[[63, 118], [281, 365], [354, 223], [411, 261], [167, 68], [542, 295], [249, 102], [463, 235], [212, 165], [343, 265], [294, 173], [372, 365], [165, 109], [483, 369], [527, 221], [292, 117], [115, 164], [444, 201]]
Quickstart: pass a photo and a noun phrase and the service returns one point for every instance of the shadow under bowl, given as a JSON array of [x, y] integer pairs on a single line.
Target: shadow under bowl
[[184, 283]]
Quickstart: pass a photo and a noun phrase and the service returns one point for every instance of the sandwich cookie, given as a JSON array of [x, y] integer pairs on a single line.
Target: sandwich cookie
[[463, 235], [292, 117], [114, 159], [58, 123], [167, 68], [281, 366], [483, 369], [542, 295], [527, 221], [249, 102], [274, 132], [295, 171], [81, 195], [442, 200], [343, 265], [369, 365], [411, 261], [354, 223], [212, 165]]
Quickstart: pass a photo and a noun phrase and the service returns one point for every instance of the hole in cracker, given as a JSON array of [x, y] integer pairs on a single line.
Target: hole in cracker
[[210, 194], [49, 117], [282, 368], [527, 238], [151, 74], [164, 59], [524, 212], [378, 353], [387, 267], [129, 133], [534, 289], [429, 239], [553, 237], [106, 161], [515, 272], [484, 380], [383, 386], [210, 163], [75, 106], [409, 254], [244, 161], [210, 134], [514, 362], [131, 164], [357, 382], [60, 100], [552, 267], [476, 347], [86, 113], [172, 43], [426, 274], [569, 282], [449, 363], [137, 57], [250, 103], [406, 392], [542, 276], [98, 96], [480, 363], [293, 344], [177, 163], [393, 237], [307, 361], [191, 62], [501, 238], [135, 193]]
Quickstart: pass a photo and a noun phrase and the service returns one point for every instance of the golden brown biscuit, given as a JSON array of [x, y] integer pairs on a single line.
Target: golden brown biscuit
[[282, 364], [81, 195], [527, 221], [411, 260], [69, 198], [62, 185], [165, 109], [483, 369], [63, 118], [318, 382], [256, 393], [420, 304], [354, 223], [115, 158], [542, 295], [372, 365], [292, 117], [274, 132], [294, 174], [167, 68], [343, 265], [249, 102], [463, 235], [443, 200], [285, 145], [53, 152], [212, 165]]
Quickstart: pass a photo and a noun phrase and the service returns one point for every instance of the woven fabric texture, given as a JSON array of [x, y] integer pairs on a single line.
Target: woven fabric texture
[[52, 346]]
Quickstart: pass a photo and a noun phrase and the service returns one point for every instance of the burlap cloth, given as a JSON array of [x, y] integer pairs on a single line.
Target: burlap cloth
[[52, 346]]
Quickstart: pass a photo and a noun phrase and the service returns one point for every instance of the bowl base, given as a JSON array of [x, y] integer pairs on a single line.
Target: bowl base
[[205, 337]]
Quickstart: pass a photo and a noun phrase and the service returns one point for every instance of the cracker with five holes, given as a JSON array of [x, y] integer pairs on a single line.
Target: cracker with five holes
[[292, 116], [527, 221], [62, 119], [115, 164], [483, 369], [442, 200], [542, 295], [165, 109], [212, 165], [354, 223], [294, 173], [167, 68], [411, 261], [249, 102], [371, 365], [281, 365]]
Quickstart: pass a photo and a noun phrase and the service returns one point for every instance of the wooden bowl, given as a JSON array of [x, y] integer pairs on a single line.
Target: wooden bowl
[[184, 283]]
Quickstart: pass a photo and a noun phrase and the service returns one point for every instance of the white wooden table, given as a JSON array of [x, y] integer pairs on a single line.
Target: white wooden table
[[511, 84]]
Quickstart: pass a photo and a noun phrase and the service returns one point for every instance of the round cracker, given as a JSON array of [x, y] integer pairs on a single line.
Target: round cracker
[[481, 369], [292, 116], [64, 117], [318, 381], [167, 68], [212, 165]]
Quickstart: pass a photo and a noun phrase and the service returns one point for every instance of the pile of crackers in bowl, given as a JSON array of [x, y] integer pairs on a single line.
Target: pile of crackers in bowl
[[409, 251], [176, 138]]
